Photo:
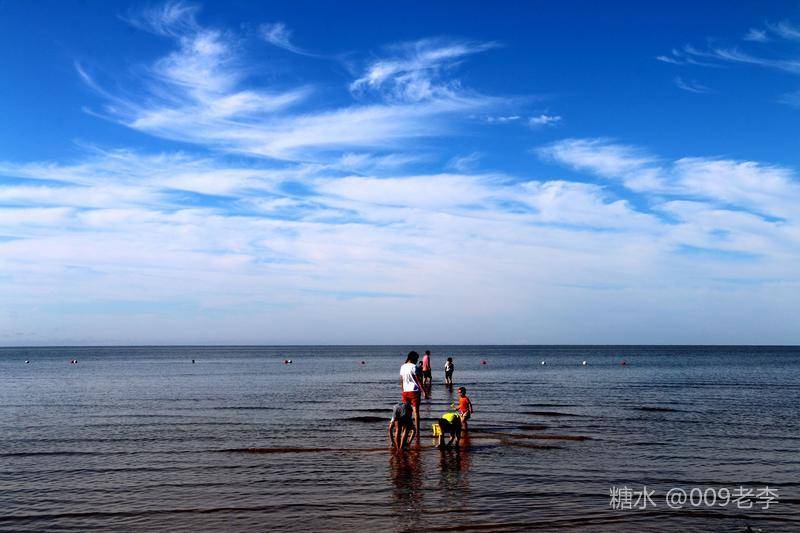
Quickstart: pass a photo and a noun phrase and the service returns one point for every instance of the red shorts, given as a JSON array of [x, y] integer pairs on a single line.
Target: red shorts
[[413, 397]]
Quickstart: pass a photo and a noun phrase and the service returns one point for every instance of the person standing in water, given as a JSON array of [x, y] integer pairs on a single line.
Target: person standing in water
[[426, 368], [448, 372], [412, 387], [464, 407]]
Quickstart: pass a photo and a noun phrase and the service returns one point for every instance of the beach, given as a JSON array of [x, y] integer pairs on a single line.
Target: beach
[[141, 438]]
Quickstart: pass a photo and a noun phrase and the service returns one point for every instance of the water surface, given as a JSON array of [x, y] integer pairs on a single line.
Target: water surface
[[140, 438]]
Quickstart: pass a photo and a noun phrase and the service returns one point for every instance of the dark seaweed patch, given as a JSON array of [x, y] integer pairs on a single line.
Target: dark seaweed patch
[[547, 413]]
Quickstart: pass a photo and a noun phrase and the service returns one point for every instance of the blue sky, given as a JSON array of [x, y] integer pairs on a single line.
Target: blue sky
[[330, 172]]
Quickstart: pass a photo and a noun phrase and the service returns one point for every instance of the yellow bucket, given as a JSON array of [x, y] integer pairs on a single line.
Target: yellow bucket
[[436, 430]]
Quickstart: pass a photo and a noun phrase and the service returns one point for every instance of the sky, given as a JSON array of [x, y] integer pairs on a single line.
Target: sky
[[399, 172]]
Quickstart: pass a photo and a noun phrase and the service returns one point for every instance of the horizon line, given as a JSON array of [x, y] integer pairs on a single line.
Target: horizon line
[[335, 345]]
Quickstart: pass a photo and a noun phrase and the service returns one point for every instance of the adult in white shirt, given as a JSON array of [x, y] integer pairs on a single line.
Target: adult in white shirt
[[412, 388]]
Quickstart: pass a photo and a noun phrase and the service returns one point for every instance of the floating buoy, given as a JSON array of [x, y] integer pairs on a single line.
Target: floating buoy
[[290, 361], [623, 363], [544, 363], [285, 361], [363, 362], [27, 362], [192, 361], [483, 362], [583, 363]]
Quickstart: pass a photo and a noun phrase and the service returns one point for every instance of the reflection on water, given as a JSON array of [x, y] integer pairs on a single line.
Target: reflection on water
[[454, 473], [406, 472], [141, 439]]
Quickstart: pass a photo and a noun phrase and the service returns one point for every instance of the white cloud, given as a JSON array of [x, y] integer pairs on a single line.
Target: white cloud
[[183, 247], [767, 190], [438, 192], [737, 56], [502, 119], [785, 30], [415, 72], [349, 245], [196, 94], [764, 47], [756, 35], [689, 55], [580, 204], [129, 177], [465, 163], [637, 169], [669, 59], [171, 19], [544, 120], [33, 216], [791, 99], [719, 55], [692, 86], [279, 35]]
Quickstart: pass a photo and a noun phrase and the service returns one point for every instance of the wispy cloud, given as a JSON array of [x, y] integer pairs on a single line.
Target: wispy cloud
[[126, 226], [465, 163], [638, 169], [672, 59], [173, 18], [544, 120], [503, 119], [735, 55], [689, 55], [692, 86], [718, 55], [791, 99], [287, 208], [764, 190], [772, 46], [785, 30], [196, 94], [278, 34], [756, 35], [415, 71]]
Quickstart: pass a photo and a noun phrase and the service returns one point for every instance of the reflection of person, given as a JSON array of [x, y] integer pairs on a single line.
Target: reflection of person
[[464, 406], [405, 471], [448, 371], [454, 477], [450, 424], [412, 388], [401, 426], [426, 368]]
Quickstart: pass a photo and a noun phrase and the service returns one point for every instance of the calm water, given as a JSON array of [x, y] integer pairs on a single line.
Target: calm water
[[141, 438]]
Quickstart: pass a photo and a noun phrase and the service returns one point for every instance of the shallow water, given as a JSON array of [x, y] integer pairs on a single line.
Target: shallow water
[[141, 438]]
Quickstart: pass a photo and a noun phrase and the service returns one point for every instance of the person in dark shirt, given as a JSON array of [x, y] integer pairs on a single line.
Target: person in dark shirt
[[401, 426], [448, 371]]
